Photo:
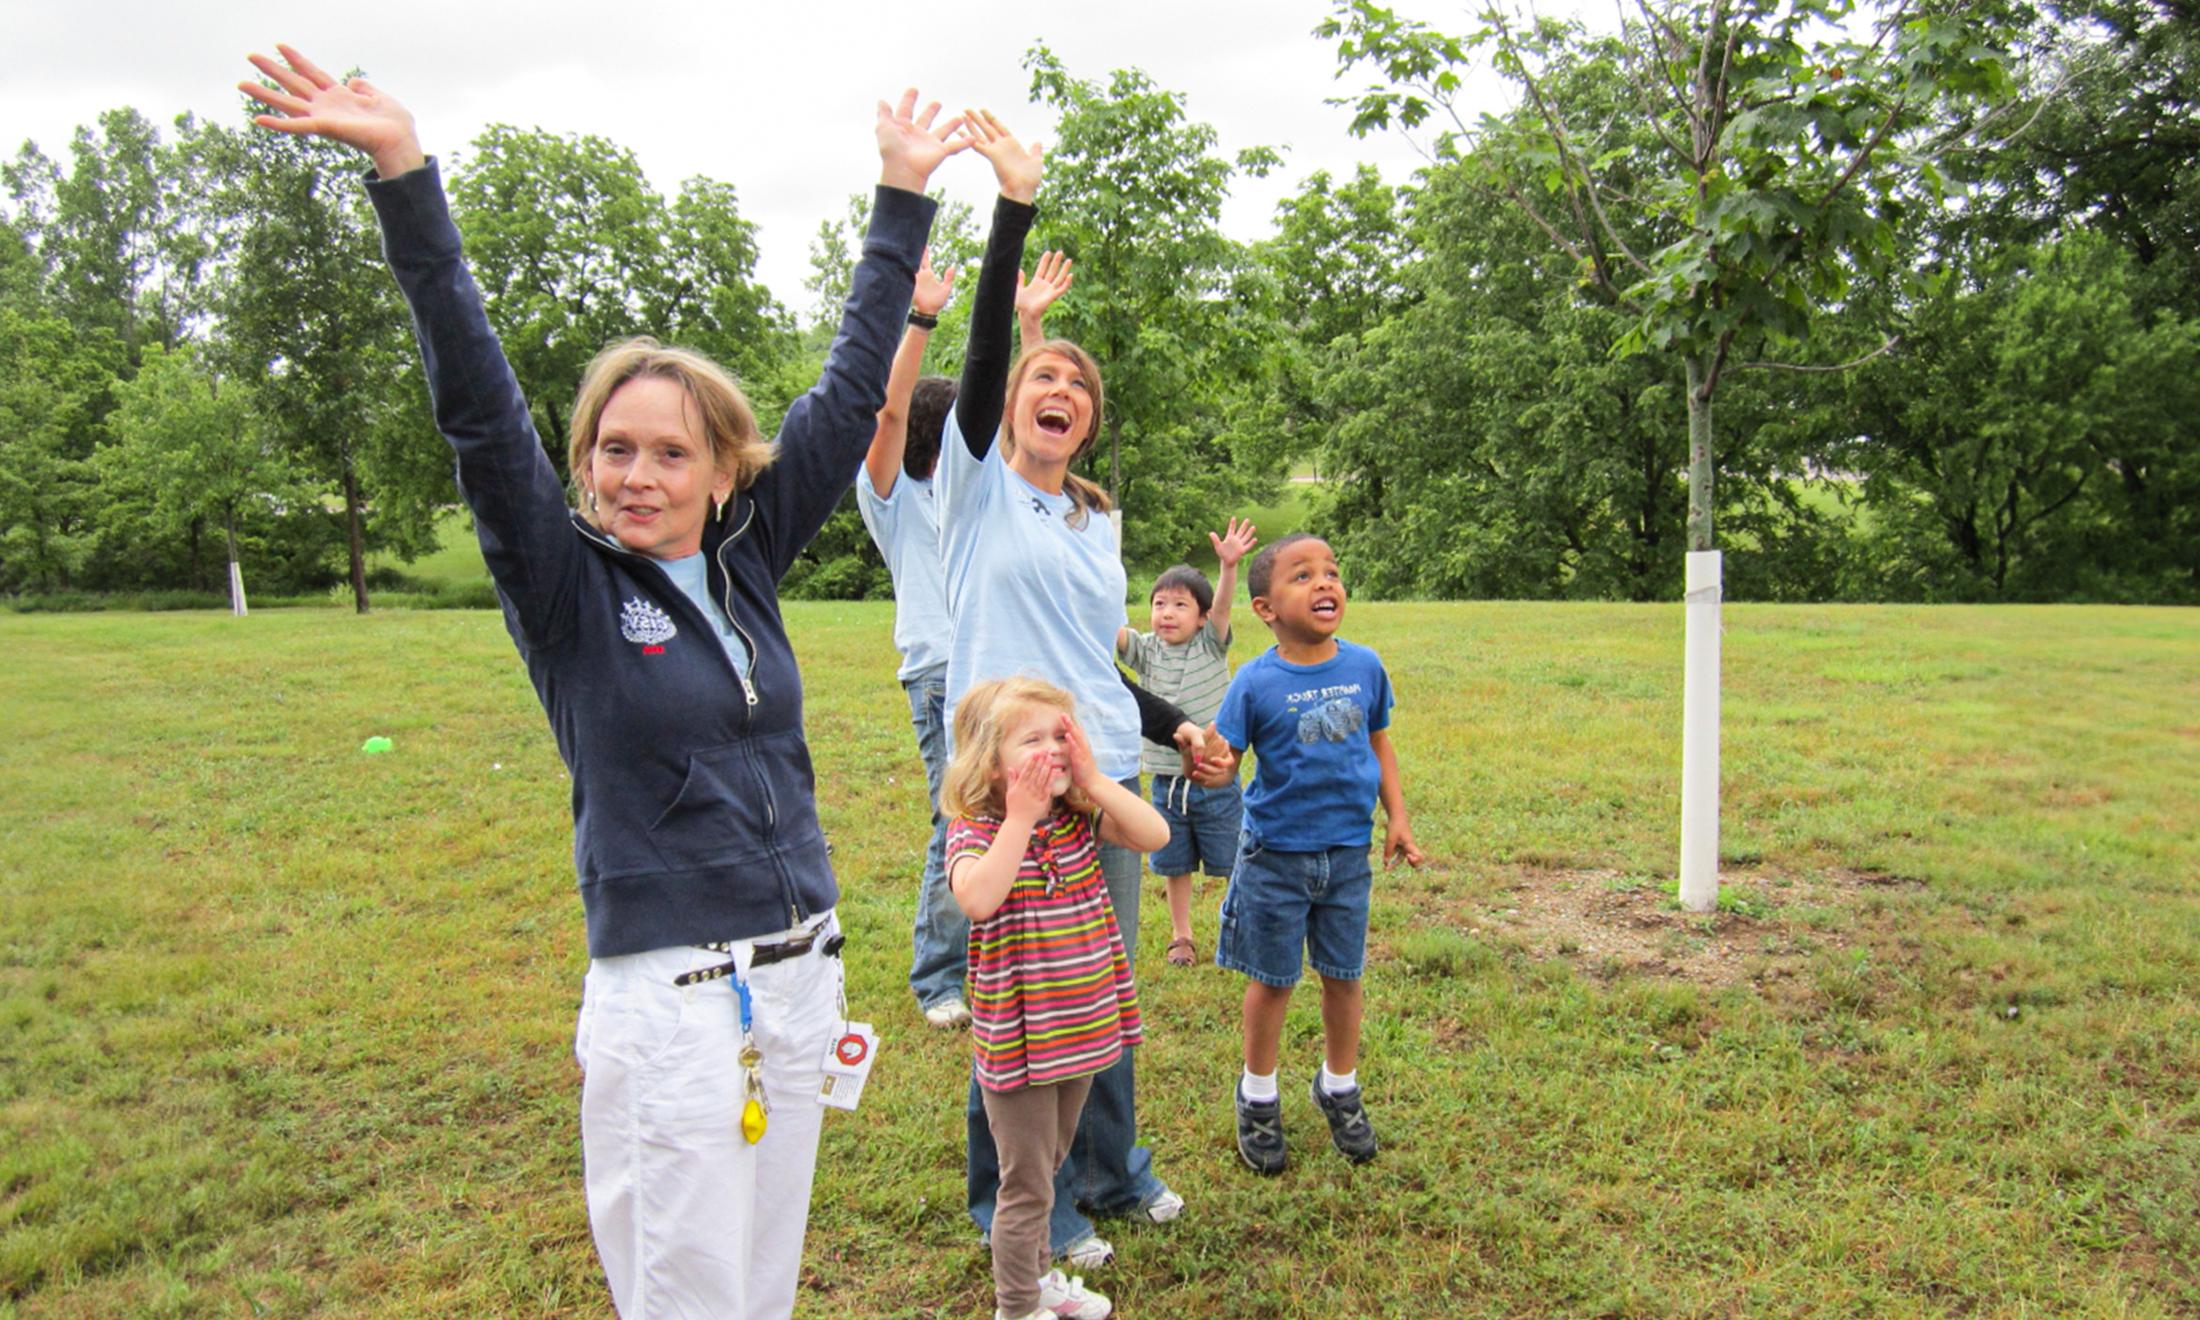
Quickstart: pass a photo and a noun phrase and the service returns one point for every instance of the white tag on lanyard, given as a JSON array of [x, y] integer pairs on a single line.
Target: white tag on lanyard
[[847, 1064]]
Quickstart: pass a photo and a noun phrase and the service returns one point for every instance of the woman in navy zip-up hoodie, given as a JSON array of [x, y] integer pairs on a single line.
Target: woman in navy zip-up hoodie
[[651, 630]]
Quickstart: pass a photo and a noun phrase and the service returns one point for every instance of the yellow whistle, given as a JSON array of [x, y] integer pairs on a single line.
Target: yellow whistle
[[752, 1121]]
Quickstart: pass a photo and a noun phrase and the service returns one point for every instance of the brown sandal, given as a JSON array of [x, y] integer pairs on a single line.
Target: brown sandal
[[1182, 953]]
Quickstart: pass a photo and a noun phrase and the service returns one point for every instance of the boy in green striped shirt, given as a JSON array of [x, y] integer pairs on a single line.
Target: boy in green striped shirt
[[1186, 658]]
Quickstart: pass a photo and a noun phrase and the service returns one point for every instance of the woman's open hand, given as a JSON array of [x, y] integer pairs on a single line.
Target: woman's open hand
[[910, 145], [356, 113], [1014, 164]]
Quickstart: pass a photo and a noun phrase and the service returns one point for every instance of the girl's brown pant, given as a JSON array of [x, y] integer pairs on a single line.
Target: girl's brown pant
[[1032, 1128]]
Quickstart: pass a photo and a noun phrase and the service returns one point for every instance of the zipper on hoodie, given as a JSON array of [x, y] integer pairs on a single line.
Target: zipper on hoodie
[[748, 689]]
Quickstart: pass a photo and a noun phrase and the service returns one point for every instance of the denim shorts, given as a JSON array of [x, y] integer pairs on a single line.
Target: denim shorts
[[1280, 903], [1203, 826]]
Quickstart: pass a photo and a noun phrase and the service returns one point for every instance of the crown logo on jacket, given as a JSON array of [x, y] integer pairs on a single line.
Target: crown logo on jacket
[[643, 622]]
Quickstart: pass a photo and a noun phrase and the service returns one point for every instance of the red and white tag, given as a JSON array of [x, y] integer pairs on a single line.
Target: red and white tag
[[848, 1056]]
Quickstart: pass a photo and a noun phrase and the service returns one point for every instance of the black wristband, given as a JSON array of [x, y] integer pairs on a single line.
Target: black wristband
[[923, 321]]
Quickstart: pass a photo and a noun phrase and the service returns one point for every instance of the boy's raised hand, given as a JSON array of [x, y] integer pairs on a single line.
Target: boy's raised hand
[[1234, 544], [356, 113], [1026, 797], [1014, 164], [933, 290], [910, 146]]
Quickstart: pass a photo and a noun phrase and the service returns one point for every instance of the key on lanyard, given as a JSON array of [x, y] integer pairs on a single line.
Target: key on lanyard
[[754, 1110]]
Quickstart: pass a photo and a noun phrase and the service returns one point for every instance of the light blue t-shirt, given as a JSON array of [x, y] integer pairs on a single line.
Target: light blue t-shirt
[[905, 526], [1031, 595], [1317, 779], [691, 574]]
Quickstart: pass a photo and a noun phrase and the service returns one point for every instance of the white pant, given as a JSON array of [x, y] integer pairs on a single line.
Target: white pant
[[691, 1220]]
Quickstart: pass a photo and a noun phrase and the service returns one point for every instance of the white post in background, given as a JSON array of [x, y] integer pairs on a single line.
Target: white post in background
[[1700, 737], [236, 589]]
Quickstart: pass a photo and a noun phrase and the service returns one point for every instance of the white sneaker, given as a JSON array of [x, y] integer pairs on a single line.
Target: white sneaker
[[1068, 1298], [1041, 1314], [1089, 1252], [949, 1014], [1163, 1208]]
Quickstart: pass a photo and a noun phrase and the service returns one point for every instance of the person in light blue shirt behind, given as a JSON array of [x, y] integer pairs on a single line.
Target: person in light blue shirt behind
[[894, 494]]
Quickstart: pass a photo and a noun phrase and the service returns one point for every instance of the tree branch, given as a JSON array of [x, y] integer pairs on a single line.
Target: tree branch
[[1574, 168], [1888, 347]]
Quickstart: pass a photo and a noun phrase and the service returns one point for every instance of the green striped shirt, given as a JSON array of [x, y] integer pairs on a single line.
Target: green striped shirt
[[1192, 674]]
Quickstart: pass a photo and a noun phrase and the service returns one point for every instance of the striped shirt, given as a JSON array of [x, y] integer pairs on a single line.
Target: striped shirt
[[1050, 984], [1193, 674]]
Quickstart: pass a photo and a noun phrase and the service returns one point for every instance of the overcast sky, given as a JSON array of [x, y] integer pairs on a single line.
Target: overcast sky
[[774, 98]]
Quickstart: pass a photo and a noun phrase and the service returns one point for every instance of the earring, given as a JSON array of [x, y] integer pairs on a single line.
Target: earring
[[721, 508], [591, 501]]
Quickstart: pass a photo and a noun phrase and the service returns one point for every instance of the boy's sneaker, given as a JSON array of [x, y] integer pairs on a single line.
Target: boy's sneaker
[[1260, 1133], [949, 1014], [1349, 1129], [1089, 1252], [1164, 1207], [1068, 1298]]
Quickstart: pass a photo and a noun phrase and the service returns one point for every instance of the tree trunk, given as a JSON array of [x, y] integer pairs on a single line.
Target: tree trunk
[[1700, 466], [356, 533]]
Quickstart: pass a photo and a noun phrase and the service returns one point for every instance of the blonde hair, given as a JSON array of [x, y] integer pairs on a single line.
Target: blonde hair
[[972, 785], [736, 443], [1085, 496]]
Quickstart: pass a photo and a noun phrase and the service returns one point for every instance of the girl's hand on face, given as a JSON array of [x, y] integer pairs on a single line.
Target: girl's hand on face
[[1028, 794], [1234, 544], [1050, 279], [356, 113], [1084, 772], [1014, 164], [910, 147], [933, 291]]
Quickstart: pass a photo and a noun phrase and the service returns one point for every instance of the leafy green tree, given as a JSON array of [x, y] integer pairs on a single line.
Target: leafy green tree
[[312, 321], [566, 238], [116, 230], [2034, 437], [1340, 264], [2110, 115], [56, 385], [193, 443], [1783, 151], [711, 299], [1166, 302]]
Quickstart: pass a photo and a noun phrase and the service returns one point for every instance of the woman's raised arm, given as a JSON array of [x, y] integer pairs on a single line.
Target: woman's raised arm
[[986, 359]]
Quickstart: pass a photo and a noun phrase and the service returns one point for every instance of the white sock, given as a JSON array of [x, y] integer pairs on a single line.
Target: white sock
[[1256, 1087], [1332, 1084]]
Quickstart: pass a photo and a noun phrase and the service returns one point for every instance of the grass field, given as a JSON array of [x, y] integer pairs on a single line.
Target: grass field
[[286, 1028]]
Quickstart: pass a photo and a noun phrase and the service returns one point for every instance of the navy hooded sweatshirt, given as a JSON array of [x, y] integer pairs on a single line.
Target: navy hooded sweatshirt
[[694, 804]]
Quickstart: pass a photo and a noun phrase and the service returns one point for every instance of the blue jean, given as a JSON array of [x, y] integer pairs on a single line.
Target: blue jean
[[1107, 1170], [1282, 906], [1204, 824], [940, 939]]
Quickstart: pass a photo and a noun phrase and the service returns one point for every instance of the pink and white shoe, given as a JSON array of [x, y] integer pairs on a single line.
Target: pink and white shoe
[[1069, 1299]]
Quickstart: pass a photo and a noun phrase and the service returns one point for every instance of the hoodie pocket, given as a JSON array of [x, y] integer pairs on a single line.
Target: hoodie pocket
[[724, 812]]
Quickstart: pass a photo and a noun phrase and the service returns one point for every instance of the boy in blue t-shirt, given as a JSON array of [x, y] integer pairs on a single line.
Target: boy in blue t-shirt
[[1316, 712]]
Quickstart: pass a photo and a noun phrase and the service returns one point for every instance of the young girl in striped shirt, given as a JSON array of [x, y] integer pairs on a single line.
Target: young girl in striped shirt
[[1051, 998]]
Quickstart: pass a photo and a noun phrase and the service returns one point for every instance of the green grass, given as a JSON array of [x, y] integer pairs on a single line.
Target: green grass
[[286, 1029]]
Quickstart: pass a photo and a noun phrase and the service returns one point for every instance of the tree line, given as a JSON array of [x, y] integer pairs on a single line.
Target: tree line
[[1941, 264]]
